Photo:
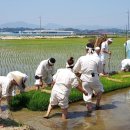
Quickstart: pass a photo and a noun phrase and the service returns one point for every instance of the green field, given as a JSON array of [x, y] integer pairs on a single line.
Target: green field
[[25, 55]]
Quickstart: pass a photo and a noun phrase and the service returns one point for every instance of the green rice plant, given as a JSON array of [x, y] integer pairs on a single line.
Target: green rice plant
[[16, 103], [39, 101], [75, 95], [25, 54], [34, 100], [118, 81], [20, 101]]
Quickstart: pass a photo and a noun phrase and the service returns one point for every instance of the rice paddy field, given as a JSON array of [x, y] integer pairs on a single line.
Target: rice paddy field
[[25, 54]]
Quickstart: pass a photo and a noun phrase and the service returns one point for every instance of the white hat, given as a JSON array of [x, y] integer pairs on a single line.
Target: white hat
[[97, 48], [109, 39], [18, 79]]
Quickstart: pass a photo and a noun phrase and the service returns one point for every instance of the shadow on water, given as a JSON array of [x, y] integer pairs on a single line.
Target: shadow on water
[[107, 106], [9, 122], [80, 114]]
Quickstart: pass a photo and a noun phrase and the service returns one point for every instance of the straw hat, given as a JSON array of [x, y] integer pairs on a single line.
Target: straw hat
[[17, 78]]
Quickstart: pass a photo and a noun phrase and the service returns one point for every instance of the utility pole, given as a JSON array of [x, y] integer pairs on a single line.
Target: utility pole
[[128, 21]]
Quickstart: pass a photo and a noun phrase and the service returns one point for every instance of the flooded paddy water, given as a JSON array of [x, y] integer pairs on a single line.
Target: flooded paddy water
[[114, 115]]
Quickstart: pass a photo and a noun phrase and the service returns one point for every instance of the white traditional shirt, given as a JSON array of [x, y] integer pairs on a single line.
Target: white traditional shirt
[[44, 70], [88, 65], [125, 63], [104, 46], [18, 73], [64, 79], [5, 86], [127, 49]]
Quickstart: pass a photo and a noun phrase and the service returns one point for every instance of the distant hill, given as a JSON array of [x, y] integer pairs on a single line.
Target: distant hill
[[28, 25], [51, 26], [18, 25]]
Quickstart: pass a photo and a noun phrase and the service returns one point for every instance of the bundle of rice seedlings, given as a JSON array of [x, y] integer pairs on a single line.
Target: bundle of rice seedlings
[[39, 101]]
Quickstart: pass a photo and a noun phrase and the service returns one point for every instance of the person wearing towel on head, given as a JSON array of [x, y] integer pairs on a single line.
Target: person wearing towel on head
[[44, 72], [8, 83], [64, 80], [105, 52], [21, 83], [90, 66]]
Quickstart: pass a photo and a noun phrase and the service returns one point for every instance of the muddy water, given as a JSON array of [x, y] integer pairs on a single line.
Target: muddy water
[[114, 115]]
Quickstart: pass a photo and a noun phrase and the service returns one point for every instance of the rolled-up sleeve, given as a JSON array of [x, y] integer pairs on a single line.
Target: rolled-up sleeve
[[75, 82]]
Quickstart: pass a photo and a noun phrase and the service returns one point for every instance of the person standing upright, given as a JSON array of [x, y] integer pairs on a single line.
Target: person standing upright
[[127, 49], [90, 66], [105, 52]]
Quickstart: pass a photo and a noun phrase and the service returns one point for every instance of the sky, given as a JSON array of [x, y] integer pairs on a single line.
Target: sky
[[66, 12]]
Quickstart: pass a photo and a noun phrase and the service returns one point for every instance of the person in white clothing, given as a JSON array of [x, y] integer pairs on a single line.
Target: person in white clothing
[[6, 88], [21, 84], [44, 72], [105, 52], [125, 65], [64, 79], [127, 49], [7, 84], [90, 66]]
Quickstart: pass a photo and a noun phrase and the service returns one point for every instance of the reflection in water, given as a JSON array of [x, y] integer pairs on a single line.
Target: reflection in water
[[113, 115], [96, 121]]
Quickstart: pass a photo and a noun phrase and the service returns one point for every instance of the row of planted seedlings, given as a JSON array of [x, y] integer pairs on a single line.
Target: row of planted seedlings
[[38, 100], [26, 57]]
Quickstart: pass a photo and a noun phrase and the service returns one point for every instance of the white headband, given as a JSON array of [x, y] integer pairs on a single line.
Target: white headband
[[67, 65], [50, 62]]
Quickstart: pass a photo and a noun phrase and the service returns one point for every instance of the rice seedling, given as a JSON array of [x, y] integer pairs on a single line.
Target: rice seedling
[[25, 55]]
